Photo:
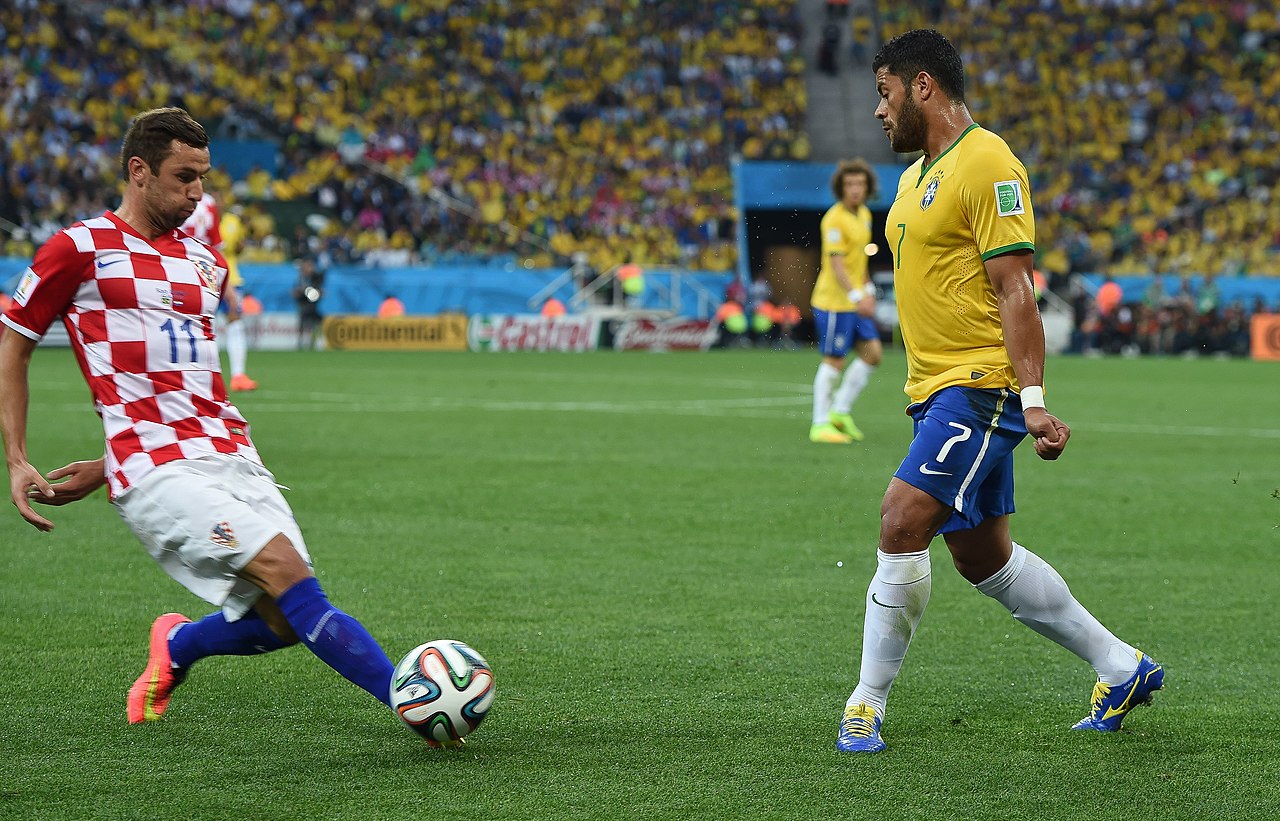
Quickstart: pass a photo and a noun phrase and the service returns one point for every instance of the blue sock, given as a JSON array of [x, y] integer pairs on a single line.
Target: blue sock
[[339, 640], [215, 636]]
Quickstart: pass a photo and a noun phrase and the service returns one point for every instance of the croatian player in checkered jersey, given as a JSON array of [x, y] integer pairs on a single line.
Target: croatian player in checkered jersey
[[138, 297], [207, 224], [963, 236]]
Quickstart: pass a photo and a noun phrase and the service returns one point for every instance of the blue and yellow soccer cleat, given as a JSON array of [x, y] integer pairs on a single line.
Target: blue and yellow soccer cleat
[[843, 422], [859, 731], [1112, 703]]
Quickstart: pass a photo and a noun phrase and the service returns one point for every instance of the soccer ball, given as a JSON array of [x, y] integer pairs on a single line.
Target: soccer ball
[[442, 690]]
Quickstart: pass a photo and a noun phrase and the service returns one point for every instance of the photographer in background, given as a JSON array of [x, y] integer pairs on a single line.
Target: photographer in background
[[307, 294]]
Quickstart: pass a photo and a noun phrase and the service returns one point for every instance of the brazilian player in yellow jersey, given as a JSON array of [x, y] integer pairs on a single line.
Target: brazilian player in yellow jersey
[[962, 236], [844, 305], [225, 232]]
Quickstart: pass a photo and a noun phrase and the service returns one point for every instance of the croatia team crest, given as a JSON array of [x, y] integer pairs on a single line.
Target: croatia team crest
[[208, 274], [223, 536], [930, 191]]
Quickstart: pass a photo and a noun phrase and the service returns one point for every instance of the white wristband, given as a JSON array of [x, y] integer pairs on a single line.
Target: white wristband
[[855, 295], [1032, 397]]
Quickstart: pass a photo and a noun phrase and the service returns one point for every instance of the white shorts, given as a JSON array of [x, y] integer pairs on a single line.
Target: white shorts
[[203, 520]]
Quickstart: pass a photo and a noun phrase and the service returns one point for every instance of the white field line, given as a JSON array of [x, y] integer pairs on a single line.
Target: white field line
[[747, 407], [681, 407], [1177, 430]]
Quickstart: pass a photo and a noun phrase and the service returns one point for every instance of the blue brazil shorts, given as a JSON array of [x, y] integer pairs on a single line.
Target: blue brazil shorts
[[839, 330], [962, 453]]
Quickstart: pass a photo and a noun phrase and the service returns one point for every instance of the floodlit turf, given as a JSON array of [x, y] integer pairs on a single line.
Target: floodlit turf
[[646, 548]]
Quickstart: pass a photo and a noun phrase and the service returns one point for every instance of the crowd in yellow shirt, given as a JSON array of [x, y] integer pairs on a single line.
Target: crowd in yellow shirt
[[605, 127], [1149, 128]]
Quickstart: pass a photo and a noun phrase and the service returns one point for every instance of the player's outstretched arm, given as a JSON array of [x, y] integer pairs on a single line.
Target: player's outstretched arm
[[79, 479], [15, 359]]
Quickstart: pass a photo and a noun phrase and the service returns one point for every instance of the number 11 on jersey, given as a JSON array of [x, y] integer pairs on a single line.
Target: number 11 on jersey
[[169, 328]]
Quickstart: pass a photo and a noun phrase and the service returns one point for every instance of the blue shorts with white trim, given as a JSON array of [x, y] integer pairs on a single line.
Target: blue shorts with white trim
[[962, 453], [838, 331]]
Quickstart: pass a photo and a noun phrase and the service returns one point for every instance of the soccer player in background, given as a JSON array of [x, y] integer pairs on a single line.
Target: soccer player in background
[[138, 298], [226, 233], [844, 304], [963, 236]]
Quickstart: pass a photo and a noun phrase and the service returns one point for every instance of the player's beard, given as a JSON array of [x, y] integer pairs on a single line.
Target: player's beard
[[909, 132], [170, 219], [164, 213], [170, 223]]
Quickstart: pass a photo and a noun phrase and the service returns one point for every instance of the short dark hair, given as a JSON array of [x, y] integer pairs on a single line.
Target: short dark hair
[[925, 50], [847, 167], [151, 134]]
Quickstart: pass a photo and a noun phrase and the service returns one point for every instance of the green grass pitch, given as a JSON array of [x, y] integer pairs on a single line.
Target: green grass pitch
[[668, 580]]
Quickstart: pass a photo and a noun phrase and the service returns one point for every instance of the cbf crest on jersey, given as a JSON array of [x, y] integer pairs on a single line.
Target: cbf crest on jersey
[[208, 274], [930, 192]]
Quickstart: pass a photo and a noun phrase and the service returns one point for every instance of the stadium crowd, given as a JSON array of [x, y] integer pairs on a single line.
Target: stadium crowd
[[604, 127], [430, 130], [1150, 128]]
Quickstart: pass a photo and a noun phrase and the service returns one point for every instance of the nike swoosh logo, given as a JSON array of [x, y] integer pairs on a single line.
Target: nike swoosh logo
[[315, 633], [890, 606], [928, 472], [103, 263]]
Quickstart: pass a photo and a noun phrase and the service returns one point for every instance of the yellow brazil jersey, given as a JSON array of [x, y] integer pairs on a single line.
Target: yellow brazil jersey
[[232, 230], [844, 233], [968, 205]]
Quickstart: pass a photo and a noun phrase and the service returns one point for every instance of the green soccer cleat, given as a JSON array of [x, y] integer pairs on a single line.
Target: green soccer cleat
[[843, 422], [1112, 703], [828, 434], [859, 731]]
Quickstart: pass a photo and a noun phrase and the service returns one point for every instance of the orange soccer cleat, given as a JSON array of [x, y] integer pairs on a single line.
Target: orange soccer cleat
[[149, 695], [241, 382]]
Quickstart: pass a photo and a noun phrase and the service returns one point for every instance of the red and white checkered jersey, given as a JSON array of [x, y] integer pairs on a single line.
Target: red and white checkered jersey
[[205, 222], [140, 317]]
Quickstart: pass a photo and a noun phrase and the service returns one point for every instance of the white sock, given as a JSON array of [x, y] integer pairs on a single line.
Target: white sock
[[237, 347], [856, 377], [895, 601], [823, 384], [1038, 597], [173, 631]]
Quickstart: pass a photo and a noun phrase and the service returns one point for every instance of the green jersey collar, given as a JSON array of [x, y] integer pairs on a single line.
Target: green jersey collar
[[934, 161]]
